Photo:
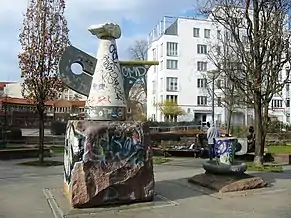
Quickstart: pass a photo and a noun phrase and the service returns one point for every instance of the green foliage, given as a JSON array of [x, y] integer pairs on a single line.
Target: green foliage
[[170, 108], [279, 149], [160, 160], [265, 168], [240, 131], [276, 126]]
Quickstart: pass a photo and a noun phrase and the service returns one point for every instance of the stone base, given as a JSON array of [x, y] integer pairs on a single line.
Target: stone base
[[228, 183], [110, 163]]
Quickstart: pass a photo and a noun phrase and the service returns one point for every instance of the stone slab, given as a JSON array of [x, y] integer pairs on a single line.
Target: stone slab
[[108, 163], [62, 208], [228, 183]]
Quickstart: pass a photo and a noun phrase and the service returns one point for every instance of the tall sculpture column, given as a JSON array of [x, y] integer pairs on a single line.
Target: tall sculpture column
[[107, 159], [106, 100]]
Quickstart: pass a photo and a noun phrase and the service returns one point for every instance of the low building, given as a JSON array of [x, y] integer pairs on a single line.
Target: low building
[[22, 112]]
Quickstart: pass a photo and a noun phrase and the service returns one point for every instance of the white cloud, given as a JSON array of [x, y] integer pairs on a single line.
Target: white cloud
[[80, 15]]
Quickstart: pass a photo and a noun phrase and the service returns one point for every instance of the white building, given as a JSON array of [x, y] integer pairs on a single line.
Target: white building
[[181, 45]]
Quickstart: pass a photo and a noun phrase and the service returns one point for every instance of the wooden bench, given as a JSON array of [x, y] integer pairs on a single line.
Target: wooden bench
[[19, 153]]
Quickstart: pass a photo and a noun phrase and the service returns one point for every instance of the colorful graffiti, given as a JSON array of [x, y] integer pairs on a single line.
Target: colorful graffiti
[[132, 73], [117, 153], [225, 149]]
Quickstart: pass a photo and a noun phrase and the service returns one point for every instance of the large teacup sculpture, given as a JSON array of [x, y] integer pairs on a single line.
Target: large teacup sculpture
[[224, 162], [107, 159]]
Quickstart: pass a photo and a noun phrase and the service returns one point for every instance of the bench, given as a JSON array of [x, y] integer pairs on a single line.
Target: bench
[[19, 153]]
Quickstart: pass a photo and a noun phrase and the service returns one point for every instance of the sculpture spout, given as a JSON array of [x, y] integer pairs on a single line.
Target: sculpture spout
[[106, 100]]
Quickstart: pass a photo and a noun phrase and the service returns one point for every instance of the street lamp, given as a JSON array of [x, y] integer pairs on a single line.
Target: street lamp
[[212, 74]]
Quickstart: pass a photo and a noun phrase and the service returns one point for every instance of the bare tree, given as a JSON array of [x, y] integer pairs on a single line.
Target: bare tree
[[226, 95], [43, 38], [138, 51], [257, 36]]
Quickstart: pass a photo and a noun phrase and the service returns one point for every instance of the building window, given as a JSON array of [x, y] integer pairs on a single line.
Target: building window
[[219, 103], [201, 49], [201, 83], [172, 49], [287, 87], [280, 76], [218, 50], [172, 84], [162, 65], [201, 66], [172, 64], [155, 68], [207, 33], [196, 32], [154, 86], [161, 84], [218, 34], [287, 102], [202, 100], [154, 54], [162, 50], [227, 36], [161, 98], [219, 83], [245, 39], [172, 98], [277, 103]]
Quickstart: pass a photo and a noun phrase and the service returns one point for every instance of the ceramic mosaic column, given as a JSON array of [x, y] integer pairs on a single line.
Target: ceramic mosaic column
[[106, 100], [225, 149]]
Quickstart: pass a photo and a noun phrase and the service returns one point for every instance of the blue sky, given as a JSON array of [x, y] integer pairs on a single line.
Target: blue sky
[[136, 18]]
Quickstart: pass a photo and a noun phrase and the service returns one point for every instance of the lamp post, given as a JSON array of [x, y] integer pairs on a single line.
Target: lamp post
[[212, 74]]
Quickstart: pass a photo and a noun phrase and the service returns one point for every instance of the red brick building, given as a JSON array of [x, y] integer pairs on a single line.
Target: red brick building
[[22, 112]]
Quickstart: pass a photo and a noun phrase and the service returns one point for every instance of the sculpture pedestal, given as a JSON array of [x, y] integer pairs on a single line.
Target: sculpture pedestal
[[108, 163]]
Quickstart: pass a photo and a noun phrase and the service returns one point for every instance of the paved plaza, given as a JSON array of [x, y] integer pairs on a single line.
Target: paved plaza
[[27, 192]]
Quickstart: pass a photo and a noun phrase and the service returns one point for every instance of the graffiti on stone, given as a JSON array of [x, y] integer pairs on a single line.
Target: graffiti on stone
[[81, 83], [114, 151]]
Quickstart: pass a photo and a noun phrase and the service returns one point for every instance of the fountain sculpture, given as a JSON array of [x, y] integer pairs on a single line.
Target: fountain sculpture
[[225, 149], [223, 173], [107, 159]]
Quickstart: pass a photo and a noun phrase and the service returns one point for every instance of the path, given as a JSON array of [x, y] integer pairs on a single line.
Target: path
[[22, 195]]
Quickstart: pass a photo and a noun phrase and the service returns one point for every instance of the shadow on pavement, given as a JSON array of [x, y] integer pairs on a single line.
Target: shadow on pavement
[[271, 178], [185, 162], [179, 189]]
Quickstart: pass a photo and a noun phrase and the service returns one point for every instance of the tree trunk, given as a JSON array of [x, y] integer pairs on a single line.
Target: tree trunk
[[259, 150], [265, 124], [41, 135], [229, 116]]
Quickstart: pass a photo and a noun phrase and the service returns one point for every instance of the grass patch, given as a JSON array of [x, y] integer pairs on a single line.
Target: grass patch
[[271, 168], [280, 149], [57, 150], [11, 148], [45, 163], [160, 160]]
